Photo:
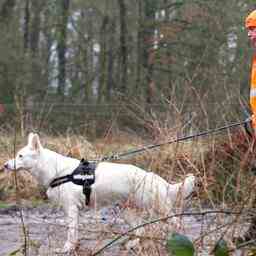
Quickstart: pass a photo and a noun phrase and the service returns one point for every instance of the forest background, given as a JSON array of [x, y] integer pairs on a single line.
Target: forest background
[[137, 64]]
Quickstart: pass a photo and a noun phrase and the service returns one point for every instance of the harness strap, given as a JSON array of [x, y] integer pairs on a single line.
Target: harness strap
[[60, 180], [87, 192], [83, 175]]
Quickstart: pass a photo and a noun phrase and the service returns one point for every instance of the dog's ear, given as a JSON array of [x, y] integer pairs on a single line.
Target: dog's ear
[[34, 142], [30, 136]]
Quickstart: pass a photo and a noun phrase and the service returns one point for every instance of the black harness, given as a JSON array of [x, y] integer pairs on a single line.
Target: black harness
[[83, 175]]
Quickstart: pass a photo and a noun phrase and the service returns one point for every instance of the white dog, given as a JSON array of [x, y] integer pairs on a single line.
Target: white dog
[[113, 182]]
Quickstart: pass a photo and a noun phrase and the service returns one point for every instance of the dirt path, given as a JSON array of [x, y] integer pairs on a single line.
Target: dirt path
[[46, 231]]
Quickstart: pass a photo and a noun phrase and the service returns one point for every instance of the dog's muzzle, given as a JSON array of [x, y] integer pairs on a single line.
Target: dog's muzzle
[[6, 167]]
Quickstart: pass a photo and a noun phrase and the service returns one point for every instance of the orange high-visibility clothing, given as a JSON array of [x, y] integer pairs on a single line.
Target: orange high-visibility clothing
[[253, 92], [250, 22]]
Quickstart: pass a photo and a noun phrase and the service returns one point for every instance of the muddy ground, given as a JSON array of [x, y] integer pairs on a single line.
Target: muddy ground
[[46, 231]]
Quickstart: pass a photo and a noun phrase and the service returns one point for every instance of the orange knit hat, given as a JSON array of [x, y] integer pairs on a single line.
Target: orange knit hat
[[250, 20]]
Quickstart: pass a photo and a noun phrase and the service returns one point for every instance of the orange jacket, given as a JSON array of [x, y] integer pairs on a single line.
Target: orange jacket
[[250, 22], [253, 92]]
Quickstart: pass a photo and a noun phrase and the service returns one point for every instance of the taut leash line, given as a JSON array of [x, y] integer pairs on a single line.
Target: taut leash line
[[179, 139]]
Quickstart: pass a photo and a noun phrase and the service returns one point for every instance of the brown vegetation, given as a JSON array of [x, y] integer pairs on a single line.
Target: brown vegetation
[[223, 164]]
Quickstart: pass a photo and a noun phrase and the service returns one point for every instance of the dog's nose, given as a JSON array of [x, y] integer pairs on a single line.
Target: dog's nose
[[6, 166]]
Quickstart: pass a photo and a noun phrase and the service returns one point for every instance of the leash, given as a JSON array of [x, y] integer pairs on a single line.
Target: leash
[[179, 139], [84, 174]]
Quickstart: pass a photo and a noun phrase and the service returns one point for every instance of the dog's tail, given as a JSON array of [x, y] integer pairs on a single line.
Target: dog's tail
[[188, 185], [183, 189]]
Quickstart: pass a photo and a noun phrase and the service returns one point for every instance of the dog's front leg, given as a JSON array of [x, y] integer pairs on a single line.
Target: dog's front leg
[[72, 218]]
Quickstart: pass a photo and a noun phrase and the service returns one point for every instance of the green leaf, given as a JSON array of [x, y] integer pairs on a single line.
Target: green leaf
[[179, 245], [221, 248]]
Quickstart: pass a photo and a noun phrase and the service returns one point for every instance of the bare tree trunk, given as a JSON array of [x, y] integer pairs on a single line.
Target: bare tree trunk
[[110, 80], [62, 46], [46, 64], [102, 80], [149, 53], [26, 25], [34, 45], [168, 53], [21, 88], [139, 48], [6, 10], [123, 44], [35, 25], [89, 63]]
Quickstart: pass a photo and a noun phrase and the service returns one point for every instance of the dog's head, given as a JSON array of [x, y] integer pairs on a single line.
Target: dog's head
[[27, 157]]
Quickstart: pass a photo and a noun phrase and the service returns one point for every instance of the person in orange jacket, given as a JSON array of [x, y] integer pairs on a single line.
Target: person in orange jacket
[[250, 24]]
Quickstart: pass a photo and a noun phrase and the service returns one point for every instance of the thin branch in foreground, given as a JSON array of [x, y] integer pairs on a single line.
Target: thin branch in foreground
[[227, 212], [23, 226]]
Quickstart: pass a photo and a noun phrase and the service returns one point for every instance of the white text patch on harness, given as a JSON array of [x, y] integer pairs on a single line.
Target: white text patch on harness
[[83, 177]]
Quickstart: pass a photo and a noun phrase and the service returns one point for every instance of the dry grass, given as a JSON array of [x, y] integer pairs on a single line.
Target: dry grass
[[222, 164]]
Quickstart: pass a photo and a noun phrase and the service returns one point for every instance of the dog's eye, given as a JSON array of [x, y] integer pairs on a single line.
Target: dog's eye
[[20, 155]]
